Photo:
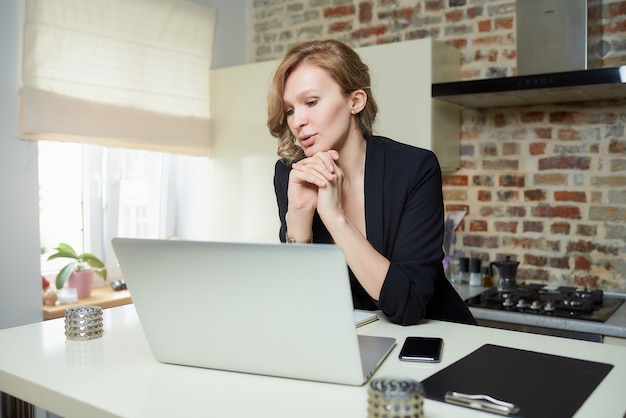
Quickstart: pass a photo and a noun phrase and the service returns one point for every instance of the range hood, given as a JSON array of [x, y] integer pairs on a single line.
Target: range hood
[[558, 61], [561, 87]]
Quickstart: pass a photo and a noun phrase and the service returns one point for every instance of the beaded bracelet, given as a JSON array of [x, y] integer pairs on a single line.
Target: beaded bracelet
[[290, 240]]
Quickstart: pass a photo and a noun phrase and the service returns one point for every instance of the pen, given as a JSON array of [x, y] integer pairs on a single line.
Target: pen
[[481, 402]]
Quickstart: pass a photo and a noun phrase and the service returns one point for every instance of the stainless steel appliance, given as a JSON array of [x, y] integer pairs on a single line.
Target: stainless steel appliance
[[564, 302], [557, 35]]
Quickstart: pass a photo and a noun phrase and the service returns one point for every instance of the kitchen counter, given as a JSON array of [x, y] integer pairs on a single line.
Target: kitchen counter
[[615, 326], [116, 375]]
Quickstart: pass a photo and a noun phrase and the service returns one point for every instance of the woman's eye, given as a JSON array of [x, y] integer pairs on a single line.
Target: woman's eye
[[289, 112], [311, 103]]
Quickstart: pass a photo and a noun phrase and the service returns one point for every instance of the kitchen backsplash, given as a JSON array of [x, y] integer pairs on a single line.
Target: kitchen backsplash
[[548, 185], [545, 184]]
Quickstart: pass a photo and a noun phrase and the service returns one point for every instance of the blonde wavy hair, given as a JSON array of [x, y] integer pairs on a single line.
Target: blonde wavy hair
[[342, 63]]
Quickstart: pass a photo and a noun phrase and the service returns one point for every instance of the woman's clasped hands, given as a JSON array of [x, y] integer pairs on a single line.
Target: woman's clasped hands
[[315, 183]]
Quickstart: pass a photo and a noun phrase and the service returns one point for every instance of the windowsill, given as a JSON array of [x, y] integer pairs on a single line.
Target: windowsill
[[104, 296]]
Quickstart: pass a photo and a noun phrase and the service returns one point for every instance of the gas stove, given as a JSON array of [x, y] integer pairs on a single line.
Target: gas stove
[[563, 302]]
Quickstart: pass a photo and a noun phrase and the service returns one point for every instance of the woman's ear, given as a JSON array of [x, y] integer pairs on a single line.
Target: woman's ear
[[359, 99]]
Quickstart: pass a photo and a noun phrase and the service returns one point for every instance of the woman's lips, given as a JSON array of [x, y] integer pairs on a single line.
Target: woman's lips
[[306, 140]]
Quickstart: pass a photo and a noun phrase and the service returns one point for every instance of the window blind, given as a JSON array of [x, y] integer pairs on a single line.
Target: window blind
[[125, 73]]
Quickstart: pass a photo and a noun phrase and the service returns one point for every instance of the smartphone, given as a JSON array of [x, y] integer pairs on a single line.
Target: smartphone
[[426, 349]]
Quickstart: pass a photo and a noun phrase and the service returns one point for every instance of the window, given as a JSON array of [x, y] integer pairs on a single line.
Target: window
[[90, 194], [98, 76]]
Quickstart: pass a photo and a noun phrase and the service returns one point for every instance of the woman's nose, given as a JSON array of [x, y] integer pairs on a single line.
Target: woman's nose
[[299, 118]]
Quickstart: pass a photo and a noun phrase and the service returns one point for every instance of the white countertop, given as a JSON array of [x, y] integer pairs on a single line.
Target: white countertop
[[614, 326], [116, 375]]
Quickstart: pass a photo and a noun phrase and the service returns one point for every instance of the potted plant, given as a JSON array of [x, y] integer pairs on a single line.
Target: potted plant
[[78, 272]]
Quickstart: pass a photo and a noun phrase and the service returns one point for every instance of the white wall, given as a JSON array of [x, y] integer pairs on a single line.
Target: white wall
[[243, 205], [20, 279], [231, 37], [231, 49]]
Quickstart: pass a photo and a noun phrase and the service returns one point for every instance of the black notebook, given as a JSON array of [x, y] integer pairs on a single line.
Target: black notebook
[[541, 385]]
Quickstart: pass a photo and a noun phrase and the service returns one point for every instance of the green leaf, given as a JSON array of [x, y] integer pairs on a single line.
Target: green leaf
[[64, 251], [92, 260], [102, 273], [65, 274], [63, 255], [66, 248]]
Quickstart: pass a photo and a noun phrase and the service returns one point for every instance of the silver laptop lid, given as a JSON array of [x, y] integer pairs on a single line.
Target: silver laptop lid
[[270, 309]]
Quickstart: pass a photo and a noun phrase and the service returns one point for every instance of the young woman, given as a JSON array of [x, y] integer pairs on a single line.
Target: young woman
[[379, 200]]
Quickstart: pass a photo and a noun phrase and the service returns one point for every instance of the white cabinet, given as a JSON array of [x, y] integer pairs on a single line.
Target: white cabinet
[[402, 76]]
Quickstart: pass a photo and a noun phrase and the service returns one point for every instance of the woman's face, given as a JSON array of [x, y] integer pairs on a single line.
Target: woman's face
[[318, 114]]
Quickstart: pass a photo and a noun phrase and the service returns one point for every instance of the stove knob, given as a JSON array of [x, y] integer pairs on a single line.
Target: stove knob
[[574, 303], [536, 305], [508, 303], [549, 307], [522, 304]]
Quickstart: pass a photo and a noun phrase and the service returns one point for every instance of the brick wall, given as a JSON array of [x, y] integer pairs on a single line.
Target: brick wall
[[545, 184]]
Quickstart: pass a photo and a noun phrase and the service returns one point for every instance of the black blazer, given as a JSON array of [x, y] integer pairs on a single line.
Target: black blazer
[[404, 216]]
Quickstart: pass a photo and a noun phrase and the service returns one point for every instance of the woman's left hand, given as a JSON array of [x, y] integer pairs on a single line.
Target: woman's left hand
[[329, 202]]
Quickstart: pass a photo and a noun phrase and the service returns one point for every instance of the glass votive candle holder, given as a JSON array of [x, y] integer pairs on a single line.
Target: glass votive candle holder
[[83, 323], [66, 295], [393, 397]]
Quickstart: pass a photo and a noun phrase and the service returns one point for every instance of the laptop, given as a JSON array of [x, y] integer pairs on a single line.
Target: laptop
[[269, 309]]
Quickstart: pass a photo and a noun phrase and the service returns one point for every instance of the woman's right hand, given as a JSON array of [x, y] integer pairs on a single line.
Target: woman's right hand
[[305, 179], [307, 176]]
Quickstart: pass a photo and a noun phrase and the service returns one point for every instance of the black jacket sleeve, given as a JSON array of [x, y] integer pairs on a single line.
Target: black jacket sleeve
[[405, 223], [281, 180]]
